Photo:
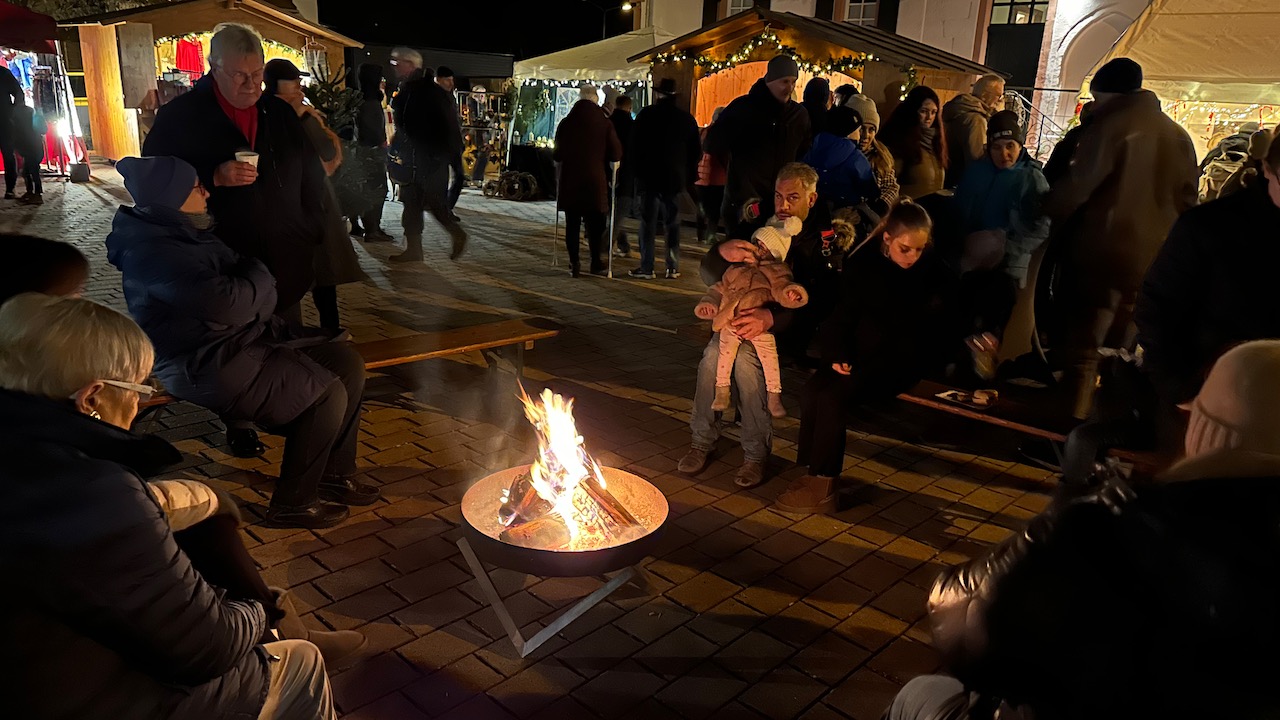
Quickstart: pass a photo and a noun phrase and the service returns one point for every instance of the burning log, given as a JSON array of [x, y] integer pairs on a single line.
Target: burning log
[[545, 533], [522, 503]]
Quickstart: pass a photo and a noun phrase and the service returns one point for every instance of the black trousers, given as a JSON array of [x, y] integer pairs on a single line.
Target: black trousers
[[457, 178], [987, 298], [710, 202], [824, 413], [321, 442], [595, 223], [427, 193], [372, 219], [218, 553], [7, 154]]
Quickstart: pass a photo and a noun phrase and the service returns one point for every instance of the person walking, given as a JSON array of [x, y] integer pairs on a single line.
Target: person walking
[[758, 134], [586, 144], [457, 173], [966, 116], [710, 187], [427, 137], [10, 97], [625, 185], [1133, 174], [915, 136], [667, 150], [371, 133]]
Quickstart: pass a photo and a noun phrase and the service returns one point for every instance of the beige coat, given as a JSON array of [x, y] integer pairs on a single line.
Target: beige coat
[[746, 287]]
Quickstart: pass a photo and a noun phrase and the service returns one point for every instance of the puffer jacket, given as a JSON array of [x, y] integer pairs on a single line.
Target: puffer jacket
[[1133, 173], [845, 178], [746, 287], [1157, 603], [209, 313], [103, 616], [1011, 200], [965, 119]]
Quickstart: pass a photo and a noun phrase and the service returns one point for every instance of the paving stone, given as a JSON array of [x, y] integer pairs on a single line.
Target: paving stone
[[864, 696], [361, 608], [809, 571], [653, 619], [725, 622], [436, 612], [839, 598], [903, 601], [701, 692], [785, 546], [871, 628], [830, 659], [420, 554], [535, 688], [428, 581], [351, 553], [875, 573], [599, 651], [391, 707], [799, 624], [479, 707], [453, 685], [783, 694], [566, 708], [904, 659], [703, 592], [354, 579], [771, 597], [676, 653], [444, 646], [754, 655], [372, 679], [625, 685]]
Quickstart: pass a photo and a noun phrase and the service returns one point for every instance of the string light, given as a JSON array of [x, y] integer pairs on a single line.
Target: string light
[[579, 83], [201, 38], [769, 39], [913, 79]]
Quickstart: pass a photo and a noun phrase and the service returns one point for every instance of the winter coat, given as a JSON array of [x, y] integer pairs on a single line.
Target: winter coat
[[890, 322], [845, 178], [1154, 602], [746, 287], [336, 261], [277, 219], [711, 172], [585, 144], [1060, 159], [666, 148], [757, 135], [623, 125], [209, 314], [104, 617], [965, 118], [371, 128], [886, 178], [1211, 287], [10, 94], [426, 114], [1132, 175], [921, 176], [1239, 142], [1011, 200]]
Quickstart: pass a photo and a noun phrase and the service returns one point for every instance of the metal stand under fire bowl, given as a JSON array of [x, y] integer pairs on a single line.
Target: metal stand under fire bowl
[[481, 541]]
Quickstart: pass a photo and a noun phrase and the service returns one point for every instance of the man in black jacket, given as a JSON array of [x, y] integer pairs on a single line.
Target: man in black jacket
[[425, 115], [457, 174], [267, 206], [666, 150], [624, 188], [10, 96], [756, 135]]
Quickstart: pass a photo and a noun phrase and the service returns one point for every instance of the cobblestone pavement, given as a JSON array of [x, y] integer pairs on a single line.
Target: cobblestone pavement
[[757, 613]]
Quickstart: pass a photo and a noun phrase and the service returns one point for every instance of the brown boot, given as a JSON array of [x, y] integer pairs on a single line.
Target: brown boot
[[694, 461], [335, 647], [721, 401], [808, 495], [775, 405]]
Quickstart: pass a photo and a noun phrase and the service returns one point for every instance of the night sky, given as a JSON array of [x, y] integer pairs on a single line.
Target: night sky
[[524, 28]]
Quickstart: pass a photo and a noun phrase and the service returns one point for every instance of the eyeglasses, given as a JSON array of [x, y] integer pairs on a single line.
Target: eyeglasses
[[144, 391], [243, 78]]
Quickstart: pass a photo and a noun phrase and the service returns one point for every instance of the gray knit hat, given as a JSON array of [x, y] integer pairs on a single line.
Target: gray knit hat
[[782, 66], [866, 107]]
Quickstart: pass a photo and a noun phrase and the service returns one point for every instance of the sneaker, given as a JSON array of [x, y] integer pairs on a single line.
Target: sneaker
[[694, 461], [808, 495], [639, 274], [673, 274], [31, 199], [750, 475]]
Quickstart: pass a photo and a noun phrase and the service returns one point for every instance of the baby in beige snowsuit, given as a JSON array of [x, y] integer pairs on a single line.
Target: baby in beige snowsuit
[[746, 286]]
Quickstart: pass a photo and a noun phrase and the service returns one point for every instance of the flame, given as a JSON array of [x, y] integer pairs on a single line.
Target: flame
[[562, 465]]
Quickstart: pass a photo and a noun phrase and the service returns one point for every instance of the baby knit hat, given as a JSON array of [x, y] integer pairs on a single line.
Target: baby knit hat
[[776, 236]]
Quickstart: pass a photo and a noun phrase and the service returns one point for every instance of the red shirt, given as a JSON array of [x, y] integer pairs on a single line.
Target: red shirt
[[245, 120]]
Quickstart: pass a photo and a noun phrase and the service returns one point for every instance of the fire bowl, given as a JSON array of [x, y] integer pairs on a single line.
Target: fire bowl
[[482, 529]]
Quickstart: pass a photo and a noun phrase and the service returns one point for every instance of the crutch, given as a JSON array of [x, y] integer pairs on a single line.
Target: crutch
[[613, 211], [555, 237]]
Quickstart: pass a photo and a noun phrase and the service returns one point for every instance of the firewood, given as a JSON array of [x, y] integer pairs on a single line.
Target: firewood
[[523, 502], [545, 533], [610, 504]]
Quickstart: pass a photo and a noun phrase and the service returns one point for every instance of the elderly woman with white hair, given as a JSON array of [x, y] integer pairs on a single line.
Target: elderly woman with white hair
[[113, 621]]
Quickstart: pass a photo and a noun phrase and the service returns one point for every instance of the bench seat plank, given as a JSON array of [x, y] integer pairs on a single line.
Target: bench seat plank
[[424, 346]]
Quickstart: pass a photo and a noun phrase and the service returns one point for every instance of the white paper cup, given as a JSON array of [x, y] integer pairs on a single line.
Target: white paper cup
[[249, 157]]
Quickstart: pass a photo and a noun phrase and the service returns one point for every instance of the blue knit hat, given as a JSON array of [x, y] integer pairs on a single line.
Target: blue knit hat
[[161, 181]]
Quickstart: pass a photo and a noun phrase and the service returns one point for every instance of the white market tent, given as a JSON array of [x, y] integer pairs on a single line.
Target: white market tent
[[600, 61], [1221, 51]]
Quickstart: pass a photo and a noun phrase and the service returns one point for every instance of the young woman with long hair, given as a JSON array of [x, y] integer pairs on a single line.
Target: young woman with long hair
[[915, 136]]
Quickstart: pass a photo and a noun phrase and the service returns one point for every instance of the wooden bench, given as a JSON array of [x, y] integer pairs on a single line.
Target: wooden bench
[[520, 334], [1010, 414]]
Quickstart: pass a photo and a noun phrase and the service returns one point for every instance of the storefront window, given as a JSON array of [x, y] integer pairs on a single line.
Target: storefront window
[[1008, 12], [861, 13], [737, 6]]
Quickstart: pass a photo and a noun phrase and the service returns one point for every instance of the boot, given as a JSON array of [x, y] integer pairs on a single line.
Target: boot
[[721, 401], [694, 461], [808, 495], [412, 250], [312, 517], [459, 237], [775, 405], [335, 647]]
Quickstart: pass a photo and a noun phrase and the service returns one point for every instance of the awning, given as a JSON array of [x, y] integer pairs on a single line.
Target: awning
[[22, 29], [1221, 51], [600, 61]]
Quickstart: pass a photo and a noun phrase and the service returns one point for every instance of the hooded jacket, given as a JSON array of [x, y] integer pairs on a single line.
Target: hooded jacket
[[1011, 200], [209, 313], [277, 219], [845, 178], [965, 118], [104, 617], [757, 135]]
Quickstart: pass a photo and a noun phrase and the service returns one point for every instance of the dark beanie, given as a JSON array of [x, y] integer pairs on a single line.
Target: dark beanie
[[1121, 76], [842, 120], [782, 66], [159, 181], [444, 71], [1004, 125]]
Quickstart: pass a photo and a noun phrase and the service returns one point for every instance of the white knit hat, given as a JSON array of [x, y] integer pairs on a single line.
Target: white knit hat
[[1238, 407], [866, 108], [776, 236]]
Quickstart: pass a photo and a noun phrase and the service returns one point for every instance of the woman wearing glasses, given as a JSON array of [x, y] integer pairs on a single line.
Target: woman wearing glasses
[[210, 314]]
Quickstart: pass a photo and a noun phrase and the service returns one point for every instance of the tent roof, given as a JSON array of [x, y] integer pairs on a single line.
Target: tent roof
[[600, 61], [885, 45], [22, 29], [1220, 51], [261, 8]]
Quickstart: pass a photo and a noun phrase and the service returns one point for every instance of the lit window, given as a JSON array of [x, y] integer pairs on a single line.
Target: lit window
[[861, 13], [737, 6], [1011, 12]]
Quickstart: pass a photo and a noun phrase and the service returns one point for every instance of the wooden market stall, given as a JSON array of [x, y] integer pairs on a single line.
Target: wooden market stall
[[719, 62], [136, 60]]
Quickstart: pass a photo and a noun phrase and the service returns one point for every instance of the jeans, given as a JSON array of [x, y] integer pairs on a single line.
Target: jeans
[[426, 194], [649, 202], [321, 442], [753, 410], [298, 688], [930, 697], [595, 222]]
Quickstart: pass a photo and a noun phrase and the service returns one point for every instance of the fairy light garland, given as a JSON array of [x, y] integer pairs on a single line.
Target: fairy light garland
[[913, 79], [768, 38], [579, 83], [200, 38]]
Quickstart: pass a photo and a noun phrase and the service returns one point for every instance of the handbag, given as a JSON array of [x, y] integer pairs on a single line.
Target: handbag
[[401, 159]]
